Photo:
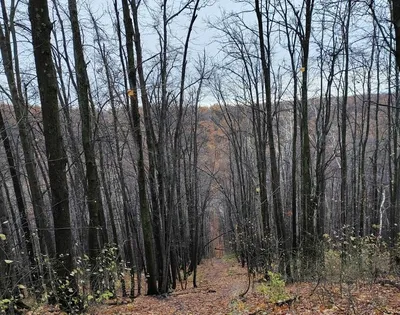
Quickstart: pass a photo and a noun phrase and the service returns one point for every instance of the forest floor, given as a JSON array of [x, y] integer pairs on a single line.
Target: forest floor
[[222, 281]]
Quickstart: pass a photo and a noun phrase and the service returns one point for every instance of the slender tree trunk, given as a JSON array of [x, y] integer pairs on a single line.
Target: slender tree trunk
[[145, 214], [18, 194], [97, 237], [343, 132], [275, 175], [56, 156], [21, 113], [6, 279]]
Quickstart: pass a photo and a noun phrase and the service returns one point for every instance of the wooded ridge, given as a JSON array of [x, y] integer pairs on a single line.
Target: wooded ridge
[[117, 180]]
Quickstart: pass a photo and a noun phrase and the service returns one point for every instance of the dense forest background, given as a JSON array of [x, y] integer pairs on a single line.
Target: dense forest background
[[131, 150]]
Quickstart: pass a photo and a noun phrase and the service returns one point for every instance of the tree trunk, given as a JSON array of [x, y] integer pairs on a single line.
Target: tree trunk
[[275, 175], [56, 156], [151, 262], [97, 235], [45, 237]]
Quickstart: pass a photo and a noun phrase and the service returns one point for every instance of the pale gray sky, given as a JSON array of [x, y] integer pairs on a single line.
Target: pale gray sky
[[203, 37]]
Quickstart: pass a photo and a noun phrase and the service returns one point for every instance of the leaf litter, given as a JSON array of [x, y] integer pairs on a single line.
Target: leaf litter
[[221, 283]]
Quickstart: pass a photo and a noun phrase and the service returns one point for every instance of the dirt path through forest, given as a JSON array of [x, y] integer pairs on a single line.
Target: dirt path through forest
[[219, 282]]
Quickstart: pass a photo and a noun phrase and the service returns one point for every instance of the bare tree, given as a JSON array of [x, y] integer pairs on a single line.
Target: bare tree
[[97, 228], [265, 55], [133, 37], [56, 156]]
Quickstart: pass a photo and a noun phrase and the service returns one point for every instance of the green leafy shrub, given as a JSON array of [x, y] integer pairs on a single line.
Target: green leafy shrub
[[366, 258], [4, 305], [275, 288]]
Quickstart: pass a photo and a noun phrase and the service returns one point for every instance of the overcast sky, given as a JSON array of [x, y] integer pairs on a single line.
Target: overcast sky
[[203, 37]]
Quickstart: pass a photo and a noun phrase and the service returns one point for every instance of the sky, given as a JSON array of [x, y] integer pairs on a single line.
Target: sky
[[204, 37]]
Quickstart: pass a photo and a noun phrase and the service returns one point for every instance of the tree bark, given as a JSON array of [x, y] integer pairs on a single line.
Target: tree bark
[[20, 109], [97, 231], [275, 176], [56, 156], [146, 219]]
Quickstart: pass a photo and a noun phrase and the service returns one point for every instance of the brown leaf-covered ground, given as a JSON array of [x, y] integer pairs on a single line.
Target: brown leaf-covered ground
[[221, 283]]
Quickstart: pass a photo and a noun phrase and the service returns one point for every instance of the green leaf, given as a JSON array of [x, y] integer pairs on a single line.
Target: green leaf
[[5, 302], [3, 237]]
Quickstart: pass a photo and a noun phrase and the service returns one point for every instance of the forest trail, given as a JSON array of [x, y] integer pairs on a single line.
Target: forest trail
[[220, 281]]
